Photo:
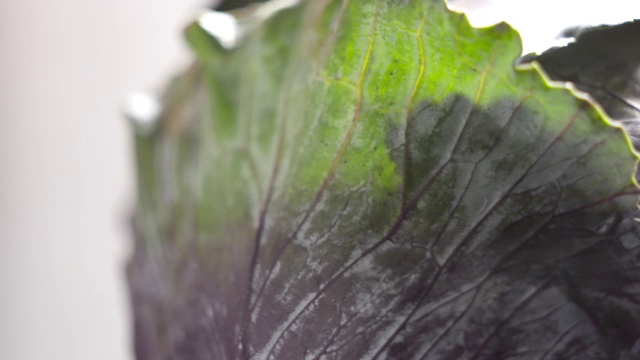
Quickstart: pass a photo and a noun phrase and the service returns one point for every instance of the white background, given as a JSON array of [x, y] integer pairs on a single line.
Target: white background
[[66, 171]]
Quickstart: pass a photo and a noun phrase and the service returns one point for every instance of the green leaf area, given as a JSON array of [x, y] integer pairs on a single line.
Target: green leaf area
[[375, 180]]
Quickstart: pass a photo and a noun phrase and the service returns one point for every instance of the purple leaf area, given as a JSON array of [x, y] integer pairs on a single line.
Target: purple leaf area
[[605, 63], [506, 245]]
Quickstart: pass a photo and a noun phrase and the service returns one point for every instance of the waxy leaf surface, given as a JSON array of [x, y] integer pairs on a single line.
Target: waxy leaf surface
[[375, 180]]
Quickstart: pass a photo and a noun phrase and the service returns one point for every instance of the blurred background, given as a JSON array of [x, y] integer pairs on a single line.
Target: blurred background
[[66, 166], [66, 162]]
